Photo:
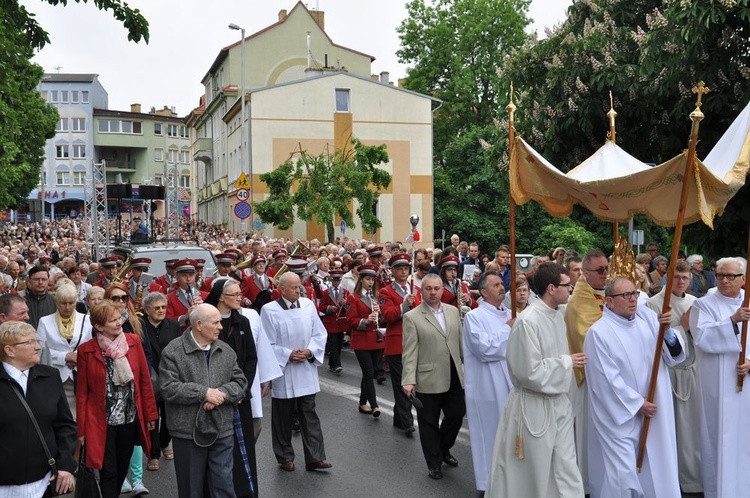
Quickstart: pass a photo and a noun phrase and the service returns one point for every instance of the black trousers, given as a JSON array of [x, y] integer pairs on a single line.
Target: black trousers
[[368, 359], [333, 346], [438, 438], [281, 429], [160, 437], [402, 416], [117, 452]]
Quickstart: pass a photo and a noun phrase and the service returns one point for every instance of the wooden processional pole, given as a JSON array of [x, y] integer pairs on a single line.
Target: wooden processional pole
[[745, 302], [696, 116], [511, 108], [611, 136]]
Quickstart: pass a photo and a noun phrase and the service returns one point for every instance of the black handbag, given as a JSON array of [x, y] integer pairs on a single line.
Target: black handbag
[[87, 480], [51, 461]]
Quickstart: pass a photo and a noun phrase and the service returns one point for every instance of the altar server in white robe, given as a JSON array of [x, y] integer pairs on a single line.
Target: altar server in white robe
[[267, 370], [684, 383], [486, 379], [298, 339], [620, 346], [716, 321], [534, 454]]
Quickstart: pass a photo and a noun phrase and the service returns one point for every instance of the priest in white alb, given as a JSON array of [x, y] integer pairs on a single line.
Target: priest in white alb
[[620, 346], [534, 453], [716, 321], [486, 379], [684, 383]]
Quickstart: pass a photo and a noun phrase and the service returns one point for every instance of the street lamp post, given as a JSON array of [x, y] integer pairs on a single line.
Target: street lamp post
[[242, 107]]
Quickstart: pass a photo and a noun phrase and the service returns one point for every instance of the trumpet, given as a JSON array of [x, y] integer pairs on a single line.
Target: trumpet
[[299, 250]]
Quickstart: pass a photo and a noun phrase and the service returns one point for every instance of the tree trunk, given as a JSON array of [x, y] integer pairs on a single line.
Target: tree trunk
[[330, 231]]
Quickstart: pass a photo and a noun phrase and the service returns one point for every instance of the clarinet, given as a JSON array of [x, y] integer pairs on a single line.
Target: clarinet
[[376, 309]]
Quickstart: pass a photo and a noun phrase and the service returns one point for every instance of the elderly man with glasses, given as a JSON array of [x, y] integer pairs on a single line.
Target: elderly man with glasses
[[585, 307], [620, 347], [716, 321]]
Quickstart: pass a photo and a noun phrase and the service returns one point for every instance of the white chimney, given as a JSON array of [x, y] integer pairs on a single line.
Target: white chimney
[[309, 50]]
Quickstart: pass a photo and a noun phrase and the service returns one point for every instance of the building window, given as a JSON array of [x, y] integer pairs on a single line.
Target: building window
[[79, 124], [79, 151], [185, 181], [184, 132], [157, 129], [62, 124], [343, 100], [54, 96], [159, 180], [185, 157], [63, 178], [44, 94], [79, 177], [117, 126], [62, 151], [84, 97], [173, 156], [74, 99], [171, 130], [64, 97], [158, 154]]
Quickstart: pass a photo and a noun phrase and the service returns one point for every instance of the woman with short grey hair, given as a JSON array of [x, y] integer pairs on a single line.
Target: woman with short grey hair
[[63, 332], [702, 278]]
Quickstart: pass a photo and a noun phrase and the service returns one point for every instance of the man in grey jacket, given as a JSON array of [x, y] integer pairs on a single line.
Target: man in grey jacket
[[201, 382]]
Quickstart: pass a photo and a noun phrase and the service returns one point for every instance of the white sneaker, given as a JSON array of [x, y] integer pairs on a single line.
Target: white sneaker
[[139, 489], [126, 487]]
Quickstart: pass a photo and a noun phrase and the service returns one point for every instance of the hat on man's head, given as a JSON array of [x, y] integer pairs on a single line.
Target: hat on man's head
[[225, 258], [141, 263], [258, 258], [401, 259], [279, 253], [336, 274], [375, 251], [298, 266], [449, 261], [109, 262], [185, 266], [200, 263], [169, 263]]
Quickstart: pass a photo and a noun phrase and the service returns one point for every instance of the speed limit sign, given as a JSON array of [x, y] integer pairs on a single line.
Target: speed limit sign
[[243, 194]]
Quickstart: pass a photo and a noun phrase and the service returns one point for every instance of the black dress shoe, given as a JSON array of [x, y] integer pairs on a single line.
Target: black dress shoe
[[295, 425], [436, 474], [410, 430], [376, 412], [450, 459], [287, 466], [321, 465], [381, 380]]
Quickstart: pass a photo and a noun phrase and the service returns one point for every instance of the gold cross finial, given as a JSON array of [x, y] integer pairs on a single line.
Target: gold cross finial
[[511, 107], [701, 89]]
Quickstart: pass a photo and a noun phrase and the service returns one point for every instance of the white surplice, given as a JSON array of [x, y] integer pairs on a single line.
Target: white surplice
[[618, 371], [725, 439], [288, 330], [486, 380], [537, 408], [684, 396], [268, 368]]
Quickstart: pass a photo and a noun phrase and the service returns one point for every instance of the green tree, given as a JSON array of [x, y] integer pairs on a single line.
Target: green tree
[[649, 54], [26, 120], [326, 185]]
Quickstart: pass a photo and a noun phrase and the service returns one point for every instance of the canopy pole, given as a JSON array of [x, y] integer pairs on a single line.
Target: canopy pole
[[611, 136], [696, 116], [511, 108], [745, 303]]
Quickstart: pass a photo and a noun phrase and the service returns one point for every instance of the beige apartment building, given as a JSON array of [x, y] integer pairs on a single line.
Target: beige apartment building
[[302, 91]]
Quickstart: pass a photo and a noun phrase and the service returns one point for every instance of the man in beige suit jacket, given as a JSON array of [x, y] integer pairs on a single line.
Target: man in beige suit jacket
[[433, 370]]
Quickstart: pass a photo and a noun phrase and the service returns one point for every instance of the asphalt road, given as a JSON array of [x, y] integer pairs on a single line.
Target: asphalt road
[[370, 457]]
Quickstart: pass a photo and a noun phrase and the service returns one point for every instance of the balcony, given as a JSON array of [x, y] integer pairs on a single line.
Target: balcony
[[203, 150], [116, 165]]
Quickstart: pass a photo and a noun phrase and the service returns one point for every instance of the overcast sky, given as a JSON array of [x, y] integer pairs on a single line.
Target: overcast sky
[[186, 36]]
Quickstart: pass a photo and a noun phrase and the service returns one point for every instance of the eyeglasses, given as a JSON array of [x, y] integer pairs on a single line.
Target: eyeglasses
[[601, 270], [728, 276], [123, 298], [30, 342], [682, 278], [160, 307], [569, 285], [236, 295], [627, 295]]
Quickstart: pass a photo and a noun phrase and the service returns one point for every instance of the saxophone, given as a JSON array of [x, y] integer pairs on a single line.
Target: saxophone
[[376, 309], [139, 299]]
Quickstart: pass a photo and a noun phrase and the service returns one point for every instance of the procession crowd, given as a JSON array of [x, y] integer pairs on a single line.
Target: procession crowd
[[554, 381]]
